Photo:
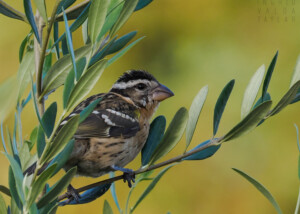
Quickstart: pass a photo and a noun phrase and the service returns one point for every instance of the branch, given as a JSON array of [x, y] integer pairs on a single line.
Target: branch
[[212, 142], [42, 56]]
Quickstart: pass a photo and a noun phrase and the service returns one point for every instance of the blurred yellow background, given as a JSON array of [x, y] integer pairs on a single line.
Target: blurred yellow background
[[190, 44]]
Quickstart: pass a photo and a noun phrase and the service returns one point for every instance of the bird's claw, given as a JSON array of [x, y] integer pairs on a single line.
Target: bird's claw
[[129, 177], [73, 194]]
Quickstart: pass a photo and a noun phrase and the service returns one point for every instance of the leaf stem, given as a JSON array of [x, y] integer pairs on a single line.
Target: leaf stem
[[212, 142]]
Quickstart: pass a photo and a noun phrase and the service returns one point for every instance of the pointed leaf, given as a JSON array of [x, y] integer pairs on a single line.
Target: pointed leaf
[[49, 119], [61, 139], [57, 188], [86, 83], [122, 52], [113, 192], [261, 100], [172, 135], [252, 90], [156, 133], [296, 74], [23, 45], [120, 43], [205, 153], [97, 14], [142, 4], [55, 38], [13, 189], [2, 205], [59, 71], [261, 188], [64, 4], [41, 142], [269, 75], [8, 96], [30, 18], [221, 103], [40, 5], [107, 208], [88, 110], [286, 99], [249, 122], [194, 114], [126, 12], [64, 47], [8, 11], [150, 187], [68, 87], [39, 184]]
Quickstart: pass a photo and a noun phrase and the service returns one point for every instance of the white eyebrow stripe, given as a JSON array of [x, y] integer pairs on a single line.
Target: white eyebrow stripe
[[123, 85]]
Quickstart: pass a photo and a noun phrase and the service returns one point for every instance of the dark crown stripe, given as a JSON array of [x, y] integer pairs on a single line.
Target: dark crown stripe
[[136, 75]]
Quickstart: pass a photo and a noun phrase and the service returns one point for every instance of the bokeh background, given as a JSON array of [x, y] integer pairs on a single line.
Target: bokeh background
[[190, 44]]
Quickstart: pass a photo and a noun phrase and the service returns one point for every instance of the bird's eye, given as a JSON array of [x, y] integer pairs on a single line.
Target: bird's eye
[[141, 86]]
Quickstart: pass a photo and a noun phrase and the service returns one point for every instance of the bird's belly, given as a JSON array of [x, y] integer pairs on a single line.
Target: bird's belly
[[95, 156]]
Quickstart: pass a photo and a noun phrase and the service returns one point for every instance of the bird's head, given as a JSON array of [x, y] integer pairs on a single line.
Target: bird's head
[[142, 88]]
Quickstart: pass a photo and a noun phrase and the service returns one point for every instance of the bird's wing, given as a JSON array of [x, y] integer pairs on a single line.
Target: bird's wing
[[112, 117]]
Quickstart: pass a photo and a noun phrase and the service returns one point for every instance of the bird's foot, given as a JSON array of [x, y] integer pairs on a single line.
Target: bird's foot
[[73, 194], [128, 175]]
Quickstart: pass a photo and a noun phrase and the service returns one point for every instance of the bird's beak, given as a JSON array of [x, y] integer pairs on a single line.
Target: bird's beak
[[161, 93]]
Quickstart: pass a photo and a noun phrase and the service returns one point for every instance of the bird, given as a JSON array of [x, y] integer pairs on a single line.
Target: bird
[[116, 130]]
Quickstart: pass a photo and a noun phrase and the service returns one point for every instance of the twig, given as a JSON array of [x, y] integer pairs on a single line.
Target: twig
[[43, 53], [212, 142]]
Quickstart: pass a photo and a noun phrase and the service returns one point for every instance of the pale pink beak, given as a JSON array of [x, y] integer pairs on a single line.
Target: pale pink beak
[[161, 93]]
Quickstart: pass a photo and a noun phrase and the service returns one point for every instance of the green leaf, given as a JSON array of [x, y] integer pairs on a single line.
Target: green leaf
[[296, 74], [9, 91], [13, 190], [39, 184], [48, 60], [61, 139], [59, 71], [252, 90], [23, 45], [120, 43], [88, 110], [269, 75], [24, 155], [194, 114], [260, 188], [41, 142], [156, 133], [112, 17], [126, 12], [36, 105], [7, 10], [97, 14], [5, 190], [261, 100], [121, 53], [107, 208], [64, 4], [18, 175], [30, 18], [142, 4], [57, 188], [68, 87], [113, 192], [172, 135], [221, 103], [55, 38], [150, 187], [2, 205], [33, 138], [70, 44], [49, 119], [286, 99], [86, 83], [40, 5], [249, 122]]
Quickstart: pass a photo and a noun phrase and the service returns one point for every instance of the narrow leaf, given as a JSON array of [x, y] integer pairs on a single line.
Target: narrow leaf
[[23, 45], [40, 5], [269, 75], [252, 90], [126, 12], [88, 110], [97, 14], [261, 100], [194, 114], [120, 43], [249, 122], [86, 83], [39, 184], [286, 99], [221, 103], [2, 205], [8, 97], [172, 135], [64, 5], [107, 208], [57, 188], [156, 133], [55, 37], [68, 87], [59, 71], [260, 188], [150, 187], [122, 52], [142, 4], [30, 18], [49, 119], [41, 142], [13, 190], [61, 139], [113, 192], [296, 74], [205, 153], [8, 11]]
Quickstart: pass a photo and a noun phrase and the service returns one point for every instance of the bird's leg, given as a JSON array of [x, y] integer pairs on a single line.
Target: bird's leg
[[72, 194], [128, 175]]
